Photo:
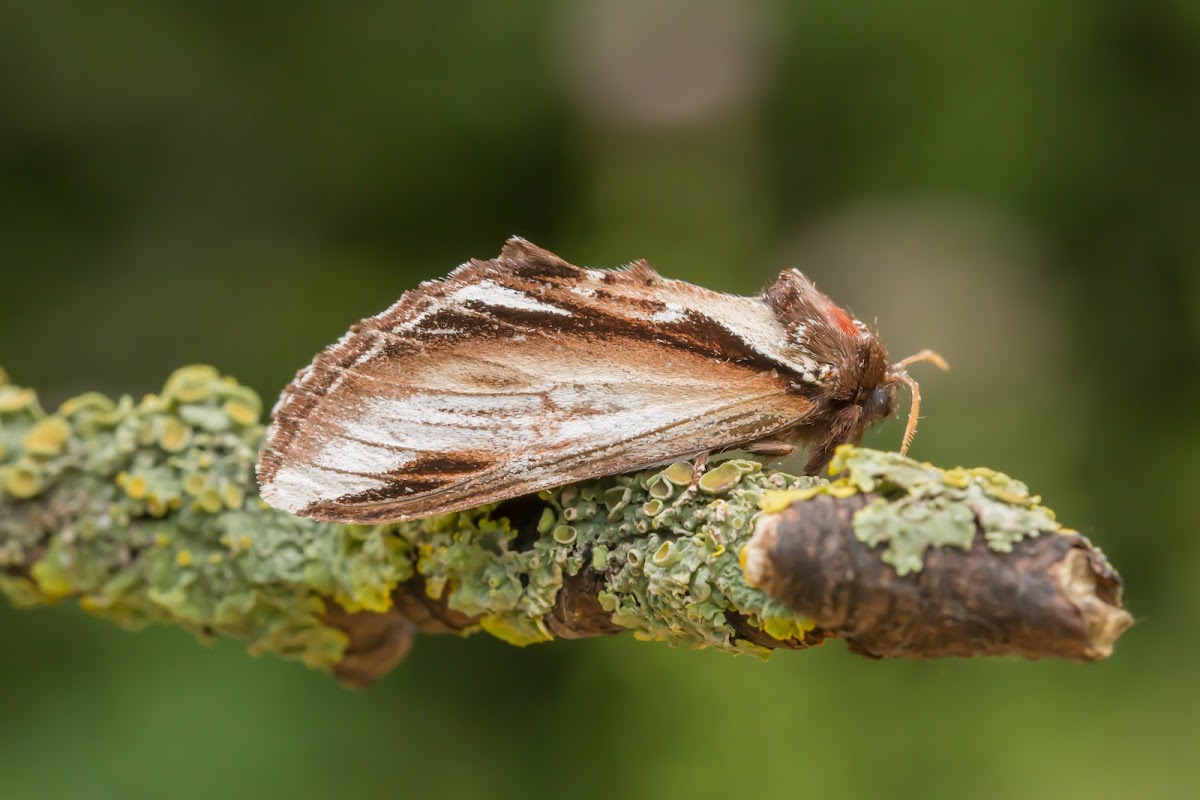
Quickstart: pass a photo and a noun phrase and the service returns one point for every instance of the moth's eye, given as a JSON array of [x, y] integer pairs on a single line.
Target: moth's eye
[[880, 403]]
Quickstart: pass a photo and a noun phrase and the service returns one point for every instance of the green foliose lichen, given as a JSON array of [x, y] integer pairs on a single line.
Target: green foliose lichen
[[153, 517], [922, 506], [670, 570], [669, 557], [475, 563]]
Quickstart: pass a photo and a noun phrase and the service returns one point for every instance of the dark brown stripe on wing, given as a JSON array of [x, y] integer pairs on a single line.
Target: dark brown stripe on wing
[[695, 333], [450, 464], [423, 476]]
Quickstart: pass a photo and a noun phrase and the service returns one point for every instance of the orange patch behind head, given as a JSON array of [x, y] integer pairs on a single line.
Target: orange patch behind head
[[842, 320]]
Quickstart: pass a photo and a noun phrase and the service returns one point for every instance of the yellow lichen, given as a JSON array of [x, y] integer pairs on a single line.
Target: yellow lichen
[[95, 603], [518, 631], [47, 437], [751, 649], [241, 412], [156, 506], [195, 484], [721, 479], [191, 384], [957, 477], [89, 401], [22, 481], [209, 501], [54, 582], [789, 627], [840, 489], [435, 585], [13, 399], [136, 487], [660, 488], [665, 555], [232, 495], [150, 402], [774, 501], [183, 558], [174, 435], [680, 473], [376, 598]]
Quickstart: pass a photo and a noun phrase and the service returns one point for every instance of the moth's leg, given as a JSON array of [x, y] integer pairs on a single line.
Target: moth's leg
[[844, 429], [770, 447], [698, 465], [765, 447], [698, 471], [817, 461]]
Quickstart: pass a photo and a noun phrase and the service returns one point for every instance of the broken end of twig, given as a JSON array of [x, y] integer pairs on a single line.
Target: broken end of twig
[[1093, 588], [1053, 594]]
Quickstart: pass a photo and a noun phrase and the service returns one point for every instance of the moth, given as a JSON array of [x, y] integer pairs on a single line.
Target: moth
[[524, 372]]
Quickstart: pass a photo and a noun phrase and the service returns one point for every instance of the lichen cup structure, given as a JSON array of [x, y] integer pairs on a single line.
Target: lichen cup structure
[[148, 512]]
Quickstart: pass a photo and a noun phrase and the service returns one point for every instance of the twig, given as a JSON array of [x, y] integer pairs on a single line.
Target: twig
[[148, 512]]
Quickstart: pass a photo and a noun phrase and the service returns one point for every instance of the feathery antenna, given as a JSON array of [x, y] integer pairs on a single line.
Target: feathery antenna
[[899, 373]]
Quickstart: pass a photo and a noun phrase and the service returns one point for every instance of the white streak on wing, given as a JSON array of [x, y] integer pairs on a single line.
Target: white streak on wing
[[350, 455], [751, 320], [672, 313], [344, 373], [421, 422], [434, 408], [491, 293], [332, 473], [337, 382], [411, 324], [613, 426], [508, 424], [297, 485]]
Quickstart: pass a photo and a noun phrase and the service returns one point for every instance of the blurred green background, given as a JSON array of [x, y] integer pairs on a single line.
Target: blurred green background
[[1015, 184]]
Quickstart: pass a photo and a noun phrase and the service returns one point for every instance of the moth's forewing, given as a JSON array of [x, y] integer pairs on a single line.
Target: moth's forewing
[[524, 373]]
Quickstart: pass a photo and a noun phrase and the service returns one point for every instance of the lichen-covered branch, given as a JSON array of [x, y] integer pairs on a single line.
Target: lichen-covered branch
[[148, 512]]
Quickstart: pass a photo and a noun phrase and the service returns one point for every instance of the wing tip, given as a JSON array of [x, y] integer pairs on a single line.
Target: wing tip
[[276, 497]]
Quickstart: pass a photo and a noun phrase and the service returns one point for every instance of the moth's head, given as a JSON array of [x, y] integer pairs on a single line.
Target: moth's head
[[880, 403], [855, 382], [883, 398]]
